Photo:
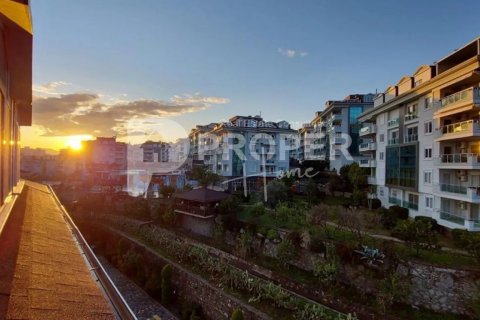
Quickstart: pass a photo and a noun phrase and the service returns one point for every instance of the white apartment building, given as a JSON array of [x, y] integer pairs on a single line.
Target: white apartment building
[[336, 130], [245, 146], [155, 151], [422, 140]]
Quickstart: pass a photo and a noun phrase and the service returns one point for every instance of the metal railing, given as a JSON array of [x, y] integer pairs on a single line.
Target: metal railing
[[120, 306], [469, 125], [394, 200], [410, 205]]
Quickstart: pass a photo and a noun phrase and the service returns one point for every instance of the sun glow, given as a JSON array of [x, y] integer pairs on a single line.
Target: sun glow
[[75, 142]]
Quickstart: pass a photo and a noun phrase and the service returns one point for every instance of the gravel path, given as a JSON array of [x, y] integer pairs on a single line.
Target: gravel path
[[144, 306]]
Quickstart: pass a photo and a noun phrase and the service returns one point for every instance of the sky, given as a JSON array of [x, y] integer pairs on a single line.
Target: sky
[[99, 64]]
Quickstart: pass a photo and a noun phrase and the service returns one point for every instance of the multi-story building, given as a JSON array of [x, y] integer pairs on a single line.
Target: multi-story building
[[336, 130], [15, 89], [155, 151], [246, 146], [105, 153], [422, 139], [305, 136]]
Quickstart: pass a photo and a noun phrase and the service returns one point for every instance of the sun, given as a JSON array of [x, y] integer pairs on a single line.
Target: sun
[[75, 142]]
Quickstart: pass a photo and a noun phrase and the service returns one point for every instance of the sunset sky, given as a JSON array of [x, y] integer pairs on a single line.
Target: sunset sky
[[98, 64]]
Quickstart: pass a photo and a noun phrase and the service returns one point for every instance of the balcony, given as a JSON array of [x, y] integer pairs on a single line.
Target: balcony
[[411, 138], [410, 205], [368, 163], [411, 117], [393, 122], [458, 161], [367, 146], [372, 180], [395, 201], [461, 98], [458, 192], [452, 218], [464, 129], [392, 142], [369, 129], [336, 117]]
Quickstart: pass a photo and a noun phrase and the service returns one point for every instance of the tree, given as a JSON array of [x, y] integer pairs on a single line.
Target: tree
[[417, 234], [311, 191], [167, 191], [237, 315], [286, 252], [204, 176], [276, 192], [167, 292]]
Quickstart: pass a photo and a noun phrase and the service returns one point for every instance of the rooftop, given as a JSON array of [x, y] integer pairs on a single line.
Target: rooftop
[[202, 195], [43, 271]]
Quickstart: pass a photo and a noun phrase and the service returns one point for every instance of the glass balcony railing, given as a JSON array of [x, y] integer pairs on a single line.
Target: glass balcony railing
[[395, 201], [452, 218], [393, 122], [472, 94], [410, 205], [460, 158], [452, 188], [461, 127], [411, 116], [393, 141], [368, 129], [411, 138]]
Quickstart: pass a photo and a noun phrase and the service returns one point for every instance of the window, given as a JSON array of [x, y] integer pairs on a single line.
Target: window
[[428, 153], [381, 192], [382, 137], [427, 177], [428, 127], [428, 103], [429, 202], [412, 109], [382, 156]]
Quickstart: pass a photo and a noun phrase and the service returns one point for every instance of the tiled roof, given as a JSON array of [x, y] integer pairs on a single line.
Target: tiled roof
[[51, 279]]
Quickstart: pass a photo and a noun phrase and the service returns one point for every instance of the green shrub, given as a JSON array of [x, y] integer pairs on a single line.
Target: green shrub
[[417, 234], [237, 315], [460, 238], [272, 234], [167, 292], [257, 209], [390, 217], [286, 252], [229, 205], [430, 220]]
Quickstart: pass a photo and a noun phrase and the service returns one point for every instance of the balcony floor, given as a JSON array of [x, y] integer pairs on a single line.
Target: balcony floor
[[43, 274]]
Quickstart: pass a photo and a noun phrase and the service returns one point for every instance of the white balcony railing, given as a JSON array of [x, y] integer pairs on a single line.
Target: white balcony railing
[[465, 96], [393, 141], [372, 180]]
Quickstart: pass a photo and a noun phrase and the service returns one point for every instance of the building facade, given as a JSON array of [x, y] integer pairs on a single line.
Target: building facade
[[422, 141], [336, 130], [155, 151], [15, 88], [245, 146]]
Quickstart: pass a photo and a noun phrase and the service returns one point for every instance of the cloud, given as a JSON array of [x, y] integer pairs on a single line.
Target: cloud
[[49, 88], [291, 53], [85, 113]]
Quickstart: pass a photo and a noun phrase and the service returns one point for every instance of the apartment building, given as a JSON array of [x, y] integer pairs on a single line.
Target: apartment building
[[15, 89], [245, 146], [155, 151], [105, 153], [306, 139], [422, 140], [336, 130]]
